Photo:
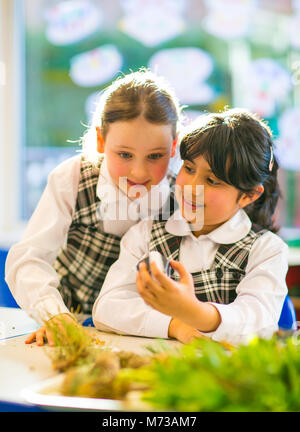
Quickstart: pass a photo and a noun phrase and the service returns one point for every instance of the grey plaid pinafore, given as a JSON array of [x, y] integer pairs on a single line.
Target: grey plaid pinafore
[[89, 252], [217, 284]]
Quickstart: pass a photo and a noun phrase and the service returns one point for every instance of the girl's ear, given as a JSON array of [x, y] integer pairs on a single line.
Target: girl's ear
[[174, 145], [100, 140], [249, 198]]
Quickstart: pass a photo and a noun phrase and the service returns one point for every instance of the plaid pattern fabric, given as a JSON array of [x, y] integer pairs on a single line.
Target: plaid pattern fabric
[[85, 260], [217, 284], [89, 252]]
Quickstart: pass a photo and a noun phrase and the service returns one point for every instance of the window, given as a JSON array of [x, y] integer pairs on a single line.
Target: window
[[246, 53]]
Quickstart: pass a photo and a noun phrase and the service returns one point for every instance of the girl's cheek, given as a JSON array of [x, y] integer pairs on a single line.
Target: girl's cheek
[[215, 199], [121, 170], [180, 179], [116, 172], [159, 170]]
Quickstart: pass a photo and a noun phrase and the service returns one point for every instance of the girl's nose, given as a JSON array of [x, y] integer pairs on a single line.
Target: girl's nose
[[194, 189], [194, 183], [139, 173]]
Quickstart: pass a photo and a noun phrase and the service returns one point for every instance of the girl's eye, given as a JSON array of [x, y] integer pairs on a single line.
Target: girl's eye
[[212, 182], [124, 155], [188, 169], [154, 156]]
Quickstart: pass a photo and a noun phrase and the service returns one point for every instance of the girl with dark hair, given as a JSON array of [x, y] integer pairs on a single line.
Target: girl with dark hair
[[92, 199], [229, 268]]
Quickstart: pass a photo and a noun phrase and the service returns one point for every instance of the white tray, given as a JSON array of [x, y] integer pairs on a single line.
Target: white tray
[[46, 394]]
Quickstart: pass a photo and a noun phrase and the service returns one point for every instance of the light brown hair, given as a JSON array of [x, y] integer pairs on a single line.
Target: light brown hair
[[141, 93]]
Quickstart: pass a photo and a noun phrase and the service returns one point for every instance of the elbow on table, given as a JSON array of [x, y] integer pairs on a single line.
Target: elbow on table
[[103, 316], [98, 314]]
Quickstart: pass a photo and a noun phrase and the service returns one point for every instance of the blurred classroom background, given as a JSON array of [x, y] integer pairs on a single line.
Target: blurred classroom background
[[57, 56]]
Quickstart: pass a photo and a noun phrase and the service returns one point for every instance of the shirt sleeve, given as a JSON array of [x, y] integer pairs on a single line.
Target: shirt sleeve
[[119, 307], [260, 295], [29, 266]]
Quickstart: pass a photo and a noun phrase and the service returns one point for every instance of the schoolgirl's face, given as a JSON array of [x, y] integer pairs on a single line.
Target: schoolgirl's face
[[204, 200], [137, 153]]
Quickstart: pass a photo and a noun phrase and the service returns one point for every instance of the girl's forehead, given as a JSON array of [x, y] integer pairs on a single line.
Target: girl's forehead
[[138, 124], [139, 135], [201, 163]]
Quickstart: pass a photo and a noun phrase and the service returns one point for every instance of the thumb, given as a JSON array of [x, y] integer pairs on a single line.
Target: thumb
[[185, 276]]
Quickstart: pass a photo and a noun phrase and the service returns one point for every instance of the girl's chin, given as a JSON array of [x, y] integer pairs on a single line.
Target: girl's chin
[[137, 191], [193, 217]]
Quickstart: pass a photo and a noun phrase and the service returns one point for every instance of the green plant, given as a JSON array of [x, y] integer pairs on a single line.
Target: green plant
[[261, 376]]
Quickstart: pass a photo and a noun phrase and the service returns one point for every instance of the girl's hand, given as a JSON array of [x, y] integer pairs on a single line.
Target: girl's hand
[[40, 336], [163, 293], [44, 334], [183, 332]]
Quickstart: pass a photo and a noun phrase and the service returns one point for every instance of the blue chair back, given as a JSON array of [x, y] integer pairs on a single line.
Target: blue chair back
[[6, 298], [288, 320]]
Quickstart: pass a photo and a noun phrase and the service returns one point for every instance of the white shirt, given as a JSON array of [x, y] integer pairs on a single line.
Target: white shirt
[[260, 294], [29, 266]]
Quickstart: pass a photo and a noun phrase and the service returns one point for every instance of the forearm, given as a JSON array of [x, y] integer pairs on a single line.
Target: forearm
[[29, 268], [122, 310], [33, 283], [202, 316]]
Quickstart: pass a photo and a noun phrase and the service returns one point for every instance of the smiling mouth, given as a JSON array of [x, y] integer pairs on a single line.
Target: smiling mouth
[[131, 183], [191, 204]]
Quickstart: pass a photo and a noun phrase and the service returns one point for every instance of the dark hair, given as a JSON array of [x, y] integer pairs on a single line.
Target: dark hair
[[238, 146]]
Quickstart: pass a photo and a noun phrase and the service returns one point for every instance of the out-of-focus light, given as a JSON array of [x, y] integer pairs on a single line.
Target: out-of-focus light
[[72, 21], [186, 69], [96, 67], [153, 22], [228, 19], [288, 143], [268, 84]]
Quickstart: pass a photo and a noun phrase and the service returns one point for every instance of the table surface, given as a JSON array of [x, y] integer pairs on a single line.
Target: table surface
[[22, 365]]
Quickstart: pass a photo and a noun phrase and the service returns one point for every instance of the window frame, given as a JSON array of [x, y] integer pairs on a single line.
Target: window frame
[[12, 124]]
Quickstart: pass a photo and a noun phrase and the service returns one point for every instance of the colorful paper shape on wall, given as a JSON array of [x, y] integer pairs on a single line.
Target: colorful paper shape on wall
[[288, 143], [294, 32], [96, 67], [229, 19], [296, 5], [152, 22], [72, 21], [268, 84], [186, 69]]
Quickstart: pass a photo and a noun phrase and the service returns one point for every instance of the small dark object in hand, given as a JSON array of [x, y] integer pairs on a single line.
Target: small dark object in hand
[[162, 263]]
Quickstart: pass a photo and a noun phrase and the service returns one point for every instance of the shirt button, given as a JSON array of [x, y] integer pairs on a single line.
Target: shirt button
[[236, 275], [219, 273]]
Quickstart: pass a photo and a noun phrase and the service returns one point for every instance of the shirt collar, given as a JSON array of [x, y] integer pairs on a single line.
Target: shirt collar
[[106, 188], [231, 231]]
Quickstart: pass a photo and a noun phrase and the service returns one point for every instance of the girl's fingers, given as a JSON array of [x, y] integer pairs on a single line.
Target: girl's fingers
[[185, 276], [40, 336], [162, 278], [50, 338], [144, 292], [37, 336], [141, 287], [45, 333], [30, 338], [146, 278], [139, 284]]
